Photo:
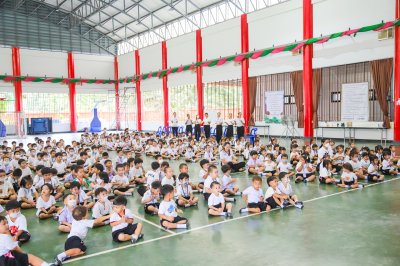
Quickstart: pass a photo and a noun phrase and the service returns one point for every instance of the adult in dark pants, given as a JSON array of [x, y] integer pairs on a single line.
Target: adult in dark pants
[[207, 123], [229, 122], [219, 123], [174, 124], [197, 127], [227, 157], [239, 121], [189, 125]]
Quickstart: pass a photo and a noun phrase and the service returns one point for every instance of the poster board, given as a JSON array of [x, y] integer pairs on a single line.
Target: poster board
[[355, 102], [273, 106]]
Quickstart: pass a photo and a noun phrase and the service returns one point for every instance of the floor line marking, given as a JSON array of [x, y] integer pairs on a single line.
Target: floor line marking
[[152, 223], [217, 223]]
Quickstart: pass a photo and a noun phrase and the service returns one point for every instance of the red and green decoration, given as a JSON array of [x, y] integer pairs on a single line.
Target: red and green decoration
[[293, 47]]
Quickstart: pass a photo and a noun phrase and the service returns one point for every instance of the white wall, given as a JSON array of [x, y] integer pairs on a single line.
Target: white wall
[[150, 58], [126, 65], [43, 63], [94, 66], [6, 61]]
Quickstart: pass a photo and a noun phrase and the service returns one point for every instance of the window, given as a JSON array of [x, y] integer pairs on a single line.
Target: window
[[153, 106], [336, 96], [183, 101]]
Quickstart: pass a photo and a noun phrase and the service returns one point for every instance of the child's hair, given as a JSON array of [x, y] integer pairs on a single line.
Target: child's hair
[[138, 161], [49, 186], [99, 190], [155, 165], [164, 164], [53, 171], [3, 218], [12, 204], [364, 154], [20, 161], [99, 167], [182, 165], [79, 213], [253, 153], [284, 156], [46, 170], [26, 180], [66, 195], [183, 176], [104, 176], [282, 175], [80, 162], [119, 166], [59, 154], [270, 179], [214, 183], [256, 178], [17, 172], [39, 167], [225, 168], [348, 167], [373, 158], [77, 168], [74, 185], [211, 168], [107, 161], [166, 189], [203, 162], [120, 201], [156, 184]]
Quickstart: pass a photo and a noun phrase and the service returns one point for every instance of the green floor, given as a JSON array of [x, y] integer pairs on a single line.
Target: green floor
[[336, 227]]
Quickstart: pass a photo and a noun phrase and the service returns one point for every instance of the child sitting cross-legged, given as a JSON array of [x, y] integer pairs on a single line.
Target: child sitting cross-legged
[[253, 196], [216, 202], [273, 197], [17, 222], [103, 207], [151, 198], [349, 178], [168, 212], [121, 221], [286, 189], [46, 203], [65, 216], [184, 192]]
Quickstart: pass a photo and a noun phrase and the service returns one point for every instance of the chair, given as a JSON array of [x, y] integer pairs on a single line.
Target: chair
[[213, 131], [251, 137]]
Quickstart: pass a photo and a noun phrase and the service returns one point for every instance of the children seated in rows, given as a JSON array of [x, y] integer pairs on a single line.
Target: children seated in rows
[[286, 189], [168, 212], [7, 192], [184, 193], [216, 202], [305, 171], [27, 194], [151, 198], [46, 203], [348, 178], [120, 182]]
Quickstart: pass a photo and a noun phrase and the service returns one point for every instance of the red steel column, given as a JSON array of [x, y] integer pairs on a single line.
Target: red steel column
[[72, 92], [165, 82], [117, 110], [245, 71], [17, 84], [307, 69], [138, 93], [396, 87], [199, 73]]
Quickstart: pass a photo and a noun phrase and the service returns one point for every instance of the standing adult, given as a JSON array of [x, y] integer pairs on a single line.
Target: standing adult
[[207, 123], [174, 124], [227, 157], [218, 124], [239, 121], [189, 125], [197, 127], [229, 122]]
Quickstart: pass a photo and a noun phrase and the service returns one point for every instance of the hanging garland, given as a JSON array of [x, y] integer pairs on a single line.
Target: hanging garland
[[293, 47]]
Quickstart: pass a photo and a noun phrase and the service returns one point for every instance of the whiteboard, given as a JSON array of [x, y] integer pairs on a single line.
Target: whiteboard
[[355, 102]]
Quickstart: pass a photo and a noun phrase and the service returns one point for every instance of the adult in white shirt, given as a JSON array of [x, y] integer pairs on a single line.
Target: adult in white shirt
[[229, 122], [197, 127], [219, 123], [239, 121], [207, 123], [174, 124], [189, 125]]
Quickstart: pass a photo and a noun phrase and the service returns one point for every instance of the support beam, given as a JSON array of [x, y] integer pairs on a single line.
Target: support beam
[[138, 92], [16, 66], [244, 26], [117, 108], [199, 73], [396, 85], [165, 82], [308, 69], [72, 92]]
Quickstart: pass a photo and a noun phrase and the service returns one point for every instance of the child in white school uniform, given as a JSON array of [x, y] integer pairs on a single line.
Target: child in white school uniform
[[17, 222], [74, 245], [136, 173], [7, 192], [254, 164], [203, 173], [10, 252], [102, 208], [184, 193], [325, 174], [216, 202], [211, 177], [254, 197], [286, 189], [273, 196], [373, 168], [388, 167], [305, 171], [228, 183], [27, 193], [168, 211], [122, 222], [46, 203], [65, 215], [151, 198], [120, 182], [169, 177], [284, 165], [349, 178]]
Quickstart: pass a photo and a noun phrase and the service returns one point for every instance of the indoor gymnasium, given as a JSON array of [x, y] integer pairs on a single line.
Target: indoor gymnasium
[[199, 132]]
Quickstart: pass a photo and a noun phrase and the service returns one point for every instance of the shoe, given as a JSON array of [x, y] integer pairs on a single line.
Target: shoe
[[226, 215], [298, 205], [229, 214], [305, 180], [297, 180], [57, 262], [133, 241], [234, 200], [360, 186], [285, 203], [242, 210], [187, 226], [55, 216], [140, 236], [187, 205]]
